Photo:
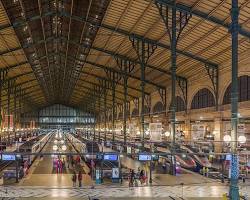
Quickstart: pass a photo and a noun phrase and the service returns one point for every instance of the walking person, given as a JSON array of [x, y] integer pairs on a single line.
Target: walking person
[[80, 178], [74, 179]]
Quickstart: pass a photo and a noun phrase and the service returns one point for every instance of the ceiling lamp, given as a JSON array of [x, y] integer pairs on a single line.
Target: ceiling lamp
[[55, 147], [64, 148]]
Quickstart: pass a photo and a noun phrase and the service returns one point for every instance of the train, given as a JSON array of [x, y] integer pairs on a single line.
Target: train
[[34, 145], [88, 148], [201, 160], [184, 160]]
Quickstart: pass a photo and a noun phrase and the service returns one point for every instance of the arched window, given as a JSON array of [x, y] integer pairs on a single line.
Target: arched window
[[180, 105], [146, 110], [135, 112], [243, 90], [158, 107], [203, 99]]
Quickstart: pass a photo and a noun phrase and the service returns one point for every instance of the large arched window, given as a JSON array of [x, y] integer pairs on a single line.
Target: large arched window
[[203, 99], [243, 90], [135, 112], [180, 105], [158, 107]]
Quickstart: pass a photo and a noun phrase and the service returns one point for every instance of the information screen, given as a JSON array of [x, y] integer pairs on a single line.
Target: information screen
[[8, 157], [110, 157], [145, 157]]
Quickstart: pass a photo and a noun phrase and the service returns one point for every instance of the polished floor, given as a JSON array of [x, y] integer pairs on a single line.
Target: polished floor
[[195, 191]]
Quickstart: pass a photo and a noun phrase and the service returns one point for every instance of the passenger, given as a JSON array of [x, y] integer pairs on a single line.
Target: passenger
[[142, 177], [80, 178], [74, 179], [132, 177], [63, 163]]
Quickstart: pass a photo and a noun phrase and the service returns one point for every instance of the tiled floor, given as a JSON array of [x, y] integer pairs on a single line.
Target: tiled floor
[[121, 192]]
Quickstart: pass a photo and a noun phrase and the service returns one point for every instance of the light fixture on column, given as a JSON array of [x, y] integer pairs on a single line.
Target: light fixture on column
[[227, 138], [167, 133], [242, 139]]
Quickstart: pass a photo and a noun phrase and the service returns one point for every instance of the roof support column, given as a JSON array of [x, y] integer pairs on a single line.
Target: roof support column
[[126, 67], [144, 50], [234, 188], [99, 115], [174, 33], [113, 109], [15, 114], [173, 87], [3, 74]]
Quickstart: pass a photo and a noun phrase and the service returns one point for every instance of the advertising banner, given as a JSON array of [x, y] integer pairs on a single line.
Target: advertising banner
[[155, 131], [198, 131]]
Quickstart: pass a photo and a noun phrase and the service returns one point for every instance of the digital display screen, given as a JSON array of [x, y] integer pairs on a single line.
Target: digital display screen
[[8, 157], [145, 157], [228, 157], [110, 157]]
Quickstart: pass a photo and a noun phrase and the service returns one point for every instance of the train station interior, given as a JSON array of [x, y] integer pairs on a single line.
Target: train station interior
[[125, 99]]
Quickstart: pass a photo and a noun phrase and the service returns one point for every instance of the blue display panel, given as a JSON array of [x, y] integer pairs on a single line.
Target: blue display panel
[[110, 157], [145, 157], [8, 157]]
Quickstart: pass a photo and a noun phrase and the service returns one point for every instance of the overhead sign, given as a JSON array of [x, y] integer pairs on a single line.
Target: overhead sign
[[8, 157], [145, 157], [110, 157]]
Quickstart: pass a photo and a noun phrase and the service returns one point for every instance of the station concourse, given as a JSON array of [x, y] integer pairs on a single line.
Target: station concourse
[[125, 99]]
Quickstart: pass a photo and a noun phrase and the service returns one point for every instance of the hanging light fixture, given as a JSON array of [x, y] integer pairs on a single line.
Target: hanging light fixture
[[55, 147], [64, 147]]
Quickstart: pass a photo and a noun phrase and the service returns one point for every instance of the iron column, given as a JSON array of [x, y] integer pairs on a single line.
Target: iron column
[[173, 85], [234, 189]]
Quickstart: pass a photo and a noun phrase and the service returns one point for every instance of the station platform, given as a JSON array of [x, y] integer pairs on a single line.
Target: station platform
[[42, 172], [186, 177]]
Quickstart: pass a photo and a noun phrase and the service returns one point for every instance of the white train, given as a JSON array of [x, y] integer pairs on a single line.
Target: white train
[[34, 146]]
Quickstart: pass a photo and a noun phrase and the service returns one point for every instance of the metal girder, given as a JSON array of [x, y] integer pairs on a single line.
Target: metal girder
[[101, 77], [16, 65], [18, 76], [213, 74], [95, 84], [10, 50], [87, 73], [23, 89], [113, 29], [116, 71], [104, 51], [202, 15], [122, 73], [81, 86], [89, 93], [25, 82]]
